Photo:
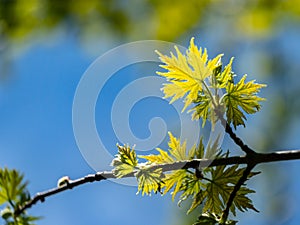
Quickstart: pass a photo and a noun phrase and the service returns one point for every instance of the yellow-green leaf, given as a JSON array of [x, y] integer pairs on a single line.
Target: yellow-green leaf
[[202, 108], [125, 161], [162, 157], [219, 189], [149, 180], [174, 180], [225, 76], [186, 73], [176, 152], [241, 96]]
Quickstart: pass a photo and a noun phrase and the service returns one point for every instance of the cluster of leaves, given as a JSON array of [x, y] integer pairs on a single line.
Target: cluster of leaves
[[210, 187], [213, 94], [13, 194], [201, 82]]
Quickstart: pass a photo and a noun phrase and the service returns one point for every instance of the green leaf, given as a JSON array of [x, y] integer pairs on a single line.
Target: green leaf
[[149, 180], [197, 152], [162, 157], [242, 202], [213, 149], [197, 200], [202, 108], [226, 76], [193, 186], [242, 96], [174, 180], [11, 185], [125, 161], [213, 202], [219, 189], [13, 192], [176, 152], [186, 73], [180, 180]]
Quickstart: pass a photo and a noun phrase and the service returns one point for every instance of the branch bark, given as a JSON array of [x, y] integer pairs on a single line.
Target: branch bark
[[249, 159]]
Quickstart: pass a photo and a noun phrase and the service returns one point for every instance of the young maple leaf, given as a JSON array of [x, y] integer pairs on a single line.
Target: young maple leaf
[[177, 152], [186, 73], [174, 179], [149, 180], [202, 108], [242, 96], [222, 78], [220, 188], [125, 161]]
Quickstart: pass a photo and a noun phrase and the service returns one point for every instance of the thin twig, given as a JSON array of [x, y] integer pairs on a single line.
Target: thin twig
[[255, 159], [72, 183], [250, 154], [238, 141], [235, 190]]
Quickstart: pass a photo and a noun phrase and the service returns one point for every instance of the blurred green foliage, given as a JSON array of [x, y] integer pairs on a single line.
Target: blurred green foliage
[[165, 20], [24, 22]]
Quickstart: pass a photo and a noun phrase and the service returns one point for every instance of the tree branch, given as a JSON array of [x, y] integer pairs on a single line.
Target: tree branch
[[252, 159]]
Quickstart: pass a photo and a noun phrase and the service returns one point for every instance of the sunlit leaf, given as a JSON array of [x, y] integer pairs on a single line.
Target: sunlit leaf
[[149, 180], [219, 189], [11, 185], [186, 73], [125, 161], [179, 180], [225, 76], [176, 152], [162, 157], [242, 96], [193, 187], [14, 193], [197, 151], [213, 148], [174, 180], [202, 108]]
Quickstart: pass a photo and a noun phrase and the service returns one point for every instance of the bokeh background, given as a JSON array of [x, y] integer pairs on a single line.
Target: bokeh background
[[46, 46]]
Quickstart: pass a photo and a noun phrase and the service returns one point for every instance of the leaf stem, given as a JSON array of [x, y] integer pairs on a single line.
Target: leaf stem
[[210, 94]]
